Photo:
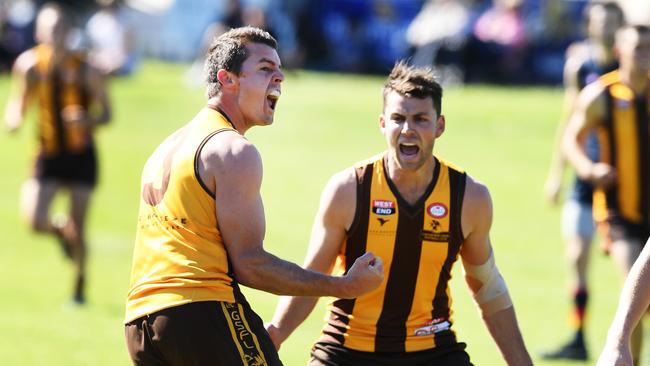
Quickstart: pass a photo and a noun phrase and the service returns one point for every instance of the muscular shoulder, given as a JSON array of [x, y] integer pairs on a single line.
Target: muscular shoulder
[[338, 200], [477, 195], [578, 51], [591, 100], [576, 56], [230, 149], [228, 156], [25, 64], [342, 186], [477, 207]]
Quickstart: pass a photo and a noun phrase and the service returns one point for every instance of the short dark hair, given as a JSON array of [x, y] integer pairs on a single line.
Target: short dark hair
[[417, 82], [640, 28], [228, 52], [610, 6]]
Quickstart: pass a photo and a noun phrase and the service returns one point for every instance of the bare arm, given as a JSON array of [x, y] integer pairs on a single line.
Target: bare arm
[[588, 114], [23, 80], [489, 290], [100, 112], [235, 169], [633, 303], [553, 184], [335, 215]]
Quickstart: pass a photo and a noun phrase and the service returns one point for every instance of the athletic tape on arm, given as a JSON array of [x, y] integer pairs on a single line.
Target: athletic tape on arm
[[493, 295]]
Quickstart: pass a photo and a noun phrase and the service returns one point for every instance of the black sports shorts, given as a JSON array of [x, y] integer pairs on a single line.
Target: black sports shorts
[[328, 354], [68, 168], [201, 333], [631, 230]]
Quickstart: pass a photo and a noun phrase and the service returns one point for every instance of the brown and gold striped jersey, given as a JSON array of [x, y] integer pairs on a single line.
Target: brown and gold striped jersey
[[419, 244], [179, 255], [624, 139], [57, 86]]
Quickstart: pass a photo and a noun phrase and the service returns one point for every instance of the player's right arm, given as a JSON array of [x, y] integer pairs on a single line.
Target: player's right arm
[[589, 113], [23, 80], [575, 56], [232, 167], [334, 218], [633, 303]]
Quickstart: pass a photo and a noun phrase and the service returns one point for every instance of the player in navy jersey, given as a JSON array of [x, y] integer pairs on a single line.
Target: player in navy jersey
[[586, 61]]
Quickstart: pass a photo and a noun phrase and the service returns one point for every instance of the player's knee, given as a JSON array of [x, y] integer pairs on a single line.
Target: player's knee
[[576, 254], [574, 259]]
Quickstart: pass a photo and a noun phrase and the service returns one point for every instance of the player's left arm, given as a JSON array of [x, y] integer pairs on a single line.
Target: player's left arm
[[100, 106], [483, 278]]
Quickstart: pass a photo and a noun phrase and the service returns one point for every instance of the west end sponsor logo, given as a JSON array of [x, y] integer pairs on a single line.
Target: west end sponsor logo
[[383, 207]]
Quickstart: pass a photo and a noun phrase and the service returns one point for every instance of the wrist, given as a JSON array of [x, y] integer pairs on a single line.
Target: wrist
[[585, 171], [339, 285], [618, 336]]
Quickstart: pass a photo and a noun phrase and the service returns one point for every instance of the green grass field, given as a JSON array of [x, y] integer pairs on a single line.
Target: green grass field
[[501, 136]]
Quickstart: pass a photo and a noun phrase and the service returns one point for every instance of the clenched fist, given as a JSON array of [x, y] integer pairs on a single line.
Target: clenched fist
[[365, 275]]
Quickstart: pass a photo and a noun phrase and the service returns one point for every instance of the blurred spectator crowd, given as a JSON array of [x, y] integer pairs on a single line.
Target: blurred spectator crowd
[[500, 41]]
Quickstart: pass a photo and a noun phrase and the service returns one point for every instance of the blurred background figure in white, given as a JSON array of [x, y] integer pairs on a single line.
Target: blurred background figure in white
[[441, 45], [112, 39]]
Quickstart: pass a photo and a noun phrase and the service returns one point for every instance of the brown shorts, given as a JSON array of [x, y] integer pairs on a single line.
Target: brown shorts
[[328, 354], [68, 168], [616, 227], [201, 333]]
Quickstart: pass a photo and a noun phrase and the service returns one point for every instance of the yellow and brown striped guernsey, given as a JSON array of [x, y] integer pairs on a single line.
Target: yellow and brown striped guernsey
[[419, 244], [625, 144], [179, 255], [59, 87]]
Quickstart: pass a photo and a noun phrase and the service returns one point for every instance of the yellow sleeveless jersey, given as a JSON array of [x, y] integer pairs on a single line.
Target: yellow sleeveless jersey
[[411, 310], [179, 256], [624, 139], [57, 87]]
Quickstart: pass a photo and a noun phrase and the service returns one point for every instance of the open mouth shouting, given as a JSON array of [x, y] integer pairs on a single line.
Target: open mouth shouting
[[272, 98], [409, 149]]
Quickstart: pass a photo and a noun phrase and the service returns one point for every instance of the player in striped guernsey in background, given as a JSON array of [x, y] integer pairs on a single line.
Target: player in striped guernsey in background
[[72, 102], [586, 61], [418, 213], [616, 107]]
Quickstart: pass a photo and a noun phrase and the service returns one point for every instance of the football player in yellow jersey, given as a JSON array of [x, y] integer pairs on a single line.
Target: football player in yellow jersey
[[201, 226], [616, 106], [72, 101], [418, 213]]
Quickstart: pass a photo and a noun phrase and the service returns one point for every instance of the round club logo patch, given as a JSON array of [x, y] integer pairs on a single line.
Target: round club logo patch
[[437, 210]]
